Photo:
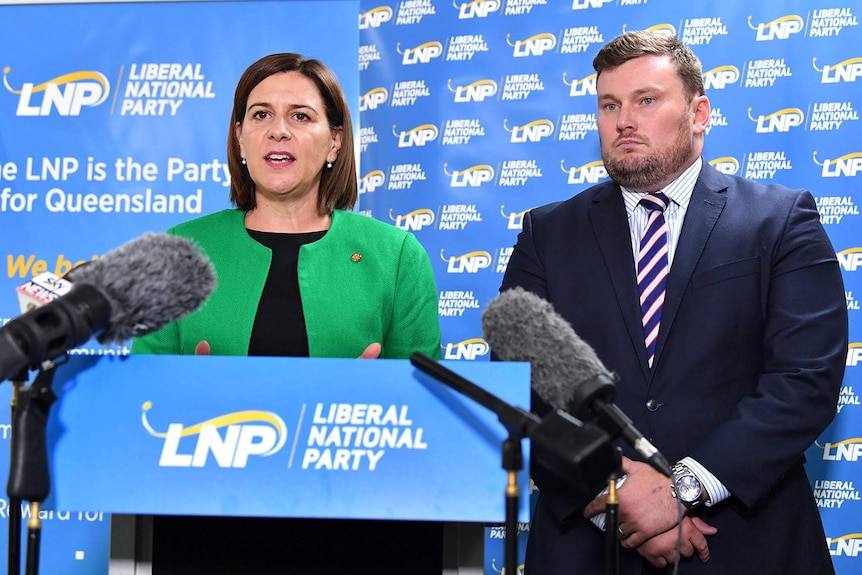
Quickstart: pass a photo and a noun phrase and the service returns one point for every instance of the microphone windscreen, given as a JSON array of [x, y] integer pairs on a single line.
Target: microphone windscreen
[[149, 282], [521, 326]]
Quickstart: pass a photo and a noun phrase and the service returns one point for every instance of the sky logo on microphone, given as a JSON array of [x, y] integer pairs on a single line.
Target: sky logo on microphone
[[231, 439], [66, 94]]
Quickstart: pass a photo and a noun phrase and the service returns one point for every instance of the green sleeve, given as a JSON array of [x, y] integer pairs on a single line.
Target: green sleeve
[[415, 321], [165, 341]]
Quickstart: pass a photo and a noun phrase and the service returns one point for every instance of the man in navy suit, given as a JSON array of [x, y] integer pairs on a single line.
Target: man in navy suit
[[744, 369]]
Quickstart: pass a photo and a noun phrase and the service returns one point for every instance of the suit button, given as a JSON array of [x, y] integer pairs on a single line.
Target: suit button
[[653, 405]]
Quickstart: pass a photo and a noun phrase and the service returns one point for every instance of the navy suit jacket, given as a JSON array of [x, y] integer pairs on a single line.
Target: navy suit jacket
[[749, 362]]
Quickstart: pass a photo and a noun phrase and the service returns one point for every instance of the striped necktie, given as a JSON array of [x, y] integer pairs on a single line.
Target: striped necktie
[[653, 269]]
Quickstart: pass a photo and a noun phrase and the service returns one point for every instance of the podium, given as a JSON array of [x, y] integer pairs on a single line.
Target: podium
[[279, 437]]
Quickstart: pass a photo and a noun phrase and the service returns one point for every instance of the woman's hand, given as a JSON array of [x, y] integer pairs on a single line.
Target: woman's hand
[[371, 352]]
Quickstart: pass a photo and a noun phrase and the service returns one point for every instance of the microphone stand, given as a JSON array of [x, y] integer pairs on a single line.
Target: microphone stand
[[14, 543], [29, 477], [612, 524], [579, 455], [513, 462]]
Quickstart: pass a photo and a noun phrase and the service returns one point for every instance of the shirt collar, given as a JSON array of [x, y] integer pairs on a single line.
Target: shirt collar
[[678, 191]]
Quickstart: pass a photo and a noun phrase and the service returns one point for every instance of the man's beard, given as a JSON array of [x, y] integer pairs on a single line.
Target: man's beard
[[650, 173]]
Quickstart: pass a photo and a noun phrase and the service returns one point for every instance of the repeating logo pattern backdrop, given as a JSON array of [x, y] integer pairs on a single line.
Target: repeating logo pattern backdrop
[[113, 122], [475, 111]]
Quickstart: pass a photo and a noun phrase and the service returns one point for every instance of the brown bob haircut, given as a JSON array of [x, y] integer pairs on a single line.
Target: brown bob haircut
[[338, 186]]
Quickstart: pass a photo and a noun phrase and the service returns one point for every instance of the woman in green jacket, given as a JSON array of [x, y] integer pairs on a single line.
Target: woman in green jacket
[[299, 274]]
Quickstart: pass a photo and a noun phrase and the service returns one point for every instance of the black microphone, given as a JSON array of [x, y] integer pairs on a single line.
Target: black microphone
[[565, 371], [581, 456], [133, 290]]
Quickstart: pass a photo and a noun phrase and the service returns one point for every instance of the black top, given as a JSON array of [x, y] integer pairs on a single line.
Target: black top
[[279, 326]]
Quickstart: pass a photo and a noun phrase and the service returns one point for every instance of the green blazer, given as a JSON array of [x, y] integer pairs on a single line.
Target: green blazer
[[365, 281]]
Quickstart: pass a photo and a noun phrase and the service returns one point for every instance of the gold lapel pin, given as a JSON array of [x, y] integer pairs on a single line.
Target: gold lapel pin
[[356, 257]]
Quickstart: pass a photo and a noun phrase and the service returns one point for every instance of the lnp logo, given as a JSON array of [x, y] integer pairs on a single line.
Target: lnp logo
[[475, 92], [850, 260], [371, 181], [583, 87], [421, 54], [847, 450], [247, 433], [413, 221], [476, 8], [781, 28], [467, 349], [418, 136], [849, 165], [66, 94], [375, 17], [532, 132], [780, 121], [726, 165], [721, 77], [468, 263], [847, 71], [584, 4], [666, 28], [515, 219], [373, 98], [589, 173], [473, 176], [845, 546], [535, 45]]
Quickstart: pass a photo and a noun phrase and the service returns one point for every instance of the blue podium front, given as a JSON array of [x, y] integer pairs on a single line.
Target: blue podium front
[[280, 437]]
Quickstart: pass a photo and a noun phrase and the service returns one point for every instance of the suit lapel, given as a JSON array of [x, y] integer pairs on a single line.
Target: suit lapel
[[611, 228], [707, 202]]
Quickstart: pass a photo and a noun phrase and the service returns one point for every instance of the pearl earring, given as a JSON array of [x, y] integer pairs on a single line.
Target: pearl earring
[[328, 164], [243, 161]]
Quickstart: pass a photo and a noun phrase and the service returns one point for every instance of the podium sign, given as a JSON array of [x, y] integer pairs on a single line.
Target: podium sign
[[286, 437]]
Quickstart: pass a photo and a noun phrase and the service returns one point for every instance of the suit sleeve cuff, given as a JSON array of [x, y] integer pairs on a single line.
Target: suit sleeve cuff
[[715, 488], [599, 519]]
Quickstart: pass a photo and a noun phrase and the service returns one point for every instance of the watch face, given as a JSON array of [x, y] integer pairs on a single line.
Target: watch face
[[688, 488]]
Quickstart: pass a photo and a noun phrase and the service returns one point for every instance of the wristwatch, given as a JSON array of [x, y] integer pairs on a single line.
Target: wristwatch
[[686, 487]]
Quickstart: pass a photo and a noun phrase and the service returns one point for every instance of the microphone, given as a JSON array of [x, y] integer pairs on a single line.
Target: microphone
[[579, 455], [41, 290], [132, 290], [565, 371]]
